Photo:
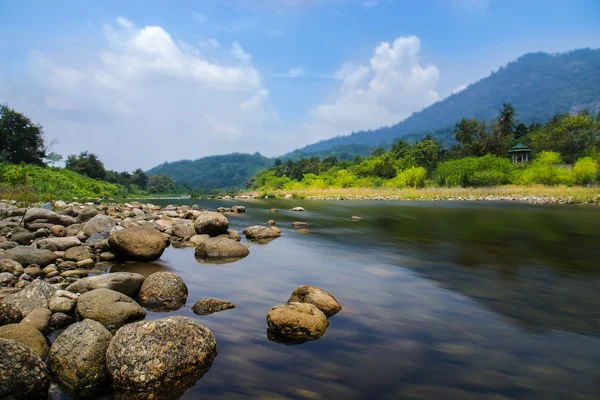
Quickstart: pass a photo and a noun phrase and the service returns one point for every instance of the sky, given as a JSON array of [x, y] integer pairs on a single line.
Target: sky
[[142, 82]]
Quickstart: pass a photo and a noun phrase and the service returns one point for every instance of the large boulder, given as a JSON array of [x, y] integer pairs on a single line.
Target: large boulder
[[78, 355], [59, 243], [142, 243], [128, 283], [221, 248], [9, 314], [112, 309], [318, 297], [260, 233], [100, 223], [23, 374], [184, 231], [28, 255], [163, 291], [211, 223], [43, 215], [28, 335], [297, 322], [160, 357], [35, 295], [211, 306]]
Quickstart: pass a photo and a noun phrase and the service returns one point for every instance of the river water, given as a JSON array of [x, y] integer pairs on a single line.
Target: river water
[[441, 300]]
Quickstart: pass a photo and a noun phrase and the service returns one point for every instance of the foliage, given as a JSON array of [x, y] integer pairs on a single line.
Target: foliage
[[21, 140], [411, 177], [585, 171], [546, 170], [86, 164], [53, 158], [483, 171]]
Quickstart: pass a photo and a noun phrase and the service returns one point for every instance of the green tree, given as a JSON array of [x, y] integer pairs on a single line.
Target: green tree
[[86, 164], [21, 140], [384, 167], [506, 120], [379, 151], [521, 131], [426, 153], [139, 178], [466, 131], [400, 149], [54, 158]]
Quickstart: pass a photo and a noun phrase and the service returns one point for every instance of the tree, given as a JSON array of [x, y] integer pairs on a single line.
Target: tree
[[521, 131], [139, 178], [379, 151], [400, 149], [86, 164], [426, 153], [384, 167], [54, 158], [506, 120], [21, 141], [465, 132]]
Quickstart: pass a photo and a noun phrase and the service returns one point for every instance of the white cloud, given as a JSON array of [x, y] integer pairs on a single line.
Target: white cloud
[[209, 44], [238, 53], [124, 23], [388, 89], [459, 89]]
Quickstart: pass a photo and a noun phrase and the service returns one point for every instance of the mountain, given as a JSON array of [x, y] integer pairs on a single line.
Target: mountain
[[229, 171], [539, 85]]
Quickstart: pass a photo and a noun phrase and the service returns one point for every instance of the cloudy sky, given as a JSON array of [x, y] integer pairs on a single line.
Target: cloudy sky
[[143, 82]]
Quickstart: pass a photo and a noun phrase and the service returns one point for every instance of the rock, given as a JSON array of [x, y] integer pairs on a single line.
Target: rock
[[11, 267], [33, 270], [300, 225], [98, 240], [7, 279], [60, 243], [9, 314], [60, 320], [297, 209], [47, 216], [303, 231], [297, 322], [197, 239], [23, 374], [39, 319], [4, 292], [355, 218], [160, 357], [24, 237], [35, 295], [221, 248], [107, 256], [63, 301], [8, 245], [100, 223], [29, 255], [78, 355], [260, 233], [238, 209], [127, 283], [211, 306], [211, 223], [59, 205], [184, 231], [233, 235], [41, 233], [223, 210], [87, 263], [323, 300], [112, 309], [273, 211], [271, 222], [162, 291], [87, 215], [141, 243], [28, 335], [58, 231]]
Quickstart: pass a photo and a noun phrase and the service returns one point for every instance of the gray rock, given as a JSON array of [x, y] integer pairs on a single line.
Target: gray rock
[[97, 240], [112, 309], [221, 247], [87, 215], [63, 301], [211, 223], [78, 355], [323, 300], [210, 306], [127, 283], [41, 215], [296, 322], [8, 245], [141, 243], [23, 238], [29, 255], [163, 291], [23, 374], [9, 314], [100, 223], [35, 295], [297, 209], [60, 243], [39, 319], [28, 335]]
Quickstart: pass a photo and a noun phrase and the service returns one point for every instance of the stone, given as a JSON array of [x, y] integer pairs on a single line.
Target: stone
[[233, 235], [7, 279], [160, 357], [87, 215], [355, 218], [8, 245], [238, 209], [128, 283], [41, 233], [28, 255], [98, 240], [35, 295], [323, 300], [77, 253], [163, 291], [28, 335], [60, 320], [221, 247], [78, 355], [23, 374], [87, 263], [107, 256], [210, 306], [197, 239], [60, 243], [112, 309], [100, 223], [141, 243], [9, 314], [260, 233], [23, 238], [299, 225], [59, 205], [58, 231], [271, 222], [211, 223], [63, 301], [11, 267], [184, 231], [39, 319], [47, 216], [297, 209], [297, 322], [33, 270], [273, 211]]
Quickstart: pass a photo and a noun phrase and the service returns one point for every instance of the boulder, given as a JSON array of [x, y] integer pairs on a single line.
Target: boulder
[[100, 223], [43, 215], [60, 320], [28, 335], [299, 225], [78, 355], [238, 209], [163, 291], [184, 231], [35, 295], [233, 235], [211, 306], [11, 267], [221, 247], [128, 283], [39, 319], [58, 231], [98, 240], [9, 314], [23, 374], [141, 243], [59, 243], [23, 237], [59, 205], [260, 233], [160, 357], [78, 253], [296, 322], [271, 222], [63, 301], [29, 255], [211, 223], [33, 270], [112, 309], [7, 279], [87, 215], [317, 297], [197, 239], [297, 209]]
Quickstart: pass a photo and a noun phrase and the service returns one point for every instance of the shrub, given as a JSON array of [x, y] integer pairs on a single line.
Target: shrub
[[585, 171], [410, 177], [545, 170], [488, 170]]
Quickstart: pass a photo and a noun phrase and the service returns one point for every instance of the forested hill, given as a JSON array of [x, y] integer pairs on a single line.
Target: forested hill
[[229, 171], [539, 85]]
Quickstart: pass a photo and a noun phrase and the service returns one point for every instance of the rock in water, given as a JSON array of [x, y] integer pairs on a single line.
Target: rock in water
[[128, 283], [299, 225], [164, 356], [100, 223], [78, 355], [211, 223], [221, 248], [28, 255], [317, 297], [9, 314], [162, 291], [28, 335], [211, 306], [143, 243], [297, 209], [261, 234], [23, 374], [35, 295], [112, 309], [298, 322]]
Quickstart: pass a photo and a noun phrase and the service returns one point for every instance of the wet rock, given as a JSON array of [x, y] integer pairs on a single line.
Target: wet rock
[[28, 335], [127, 283], [29, 255], [23, 374], [210, 306], [141, 243], [297, 322], [355, 218], [39, 319], [163, 291], [273, 211], [238, 209], [100, 223], [60, 244], [300, 225], [9, 314], [260, 233], [221, 247], [271, 222], [87, 263], [211, 223], [35, 295], [107, 256], [160, 357], [184, 231], [233, 235], [60, 320], [78, 355], [297, 209], [11, 267], [323, 300], [112, 309], [63, 301], [47, 216]]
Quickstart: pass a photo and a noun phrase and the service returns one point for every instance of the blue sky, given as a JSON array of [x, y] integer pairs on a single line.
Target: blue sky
[[143, 82]]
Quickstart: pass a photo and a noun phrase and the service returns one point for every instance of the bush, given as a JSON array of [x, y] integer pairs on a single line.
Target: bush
[[545, 170], [585, 171], [410, 177], [488, 170]]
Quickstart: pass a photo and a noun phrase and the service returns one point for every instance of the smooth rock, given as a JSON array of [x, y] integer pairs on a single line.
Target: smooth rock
[[23, 238], [211, 223], [28, 255], [112, 309], [128, 283], [258, 232], [323, 300], [28, 335], [210, 306], [7, 279], [299, 225], [63, 301], [163, 291], [39, 319], [47, 216], [23, 374], [184, 231], [297, 322], [35, 295], [221, 247], [60, 243], [60, 320], [11, 267], [100, 223], [238, 209], [297, 209], [78, 253], [141, 243]]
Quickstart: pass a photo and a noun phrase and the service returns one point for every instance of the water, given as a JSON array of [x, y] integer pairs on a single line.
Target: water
[[440, 300]]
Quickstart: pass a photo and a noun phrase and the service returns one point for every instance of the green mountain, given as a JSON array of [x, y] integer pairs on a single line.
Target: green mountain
[[539, 85], [229, 171]]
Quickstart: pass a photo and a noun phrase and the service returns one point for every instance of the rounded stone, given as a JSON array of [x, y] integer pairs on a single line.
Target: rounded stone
[[163, 291], [9, 314], [78, 253], [128, 283], [28, 335], [323, 300], [260, 233], [39, 319], [297, 322], [143, 243], [23, 374], [221, 248], [211, 223], [112, 309]]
